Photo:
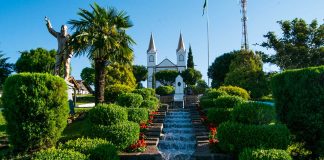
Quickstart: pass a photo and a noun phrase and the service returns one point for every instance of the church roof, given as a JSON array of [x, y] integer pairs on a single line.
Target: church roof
[[180, 44], [151, 48], [166, 63]]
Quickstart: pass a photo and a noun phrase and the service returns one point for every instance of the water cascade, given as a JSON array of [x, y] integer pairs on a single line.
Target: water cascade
[[178, 142]]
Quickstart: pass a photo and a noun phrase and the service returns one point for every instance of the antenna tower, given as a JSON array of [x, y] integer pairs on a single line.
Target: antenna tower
[[245, 42]]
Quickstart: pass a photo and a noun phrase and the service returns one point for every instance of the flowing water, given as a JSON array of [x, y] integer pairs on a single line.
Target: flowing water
[[178, 142]]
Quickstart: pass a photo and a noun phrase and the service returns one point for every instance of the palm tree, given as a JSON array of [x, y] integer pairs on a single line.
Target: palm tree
[[101, 36]]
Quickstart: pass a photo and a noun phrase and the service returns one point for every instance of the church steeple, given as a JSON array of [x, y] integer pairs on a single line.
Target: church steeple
[[151, 48], [181, 44]]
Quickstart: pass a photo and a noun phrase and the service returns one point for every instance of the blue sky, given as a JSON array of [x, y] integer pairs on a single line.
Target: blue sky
[[22, 25]]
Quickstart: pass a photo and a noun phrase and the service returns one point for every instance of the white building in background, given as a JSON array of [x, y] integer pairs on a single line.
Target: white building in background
[[165, 64]]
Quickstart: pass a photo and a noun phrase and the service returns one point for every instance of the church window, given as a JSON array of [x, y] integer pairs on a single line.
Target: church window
[[181, 58], [151, 58]]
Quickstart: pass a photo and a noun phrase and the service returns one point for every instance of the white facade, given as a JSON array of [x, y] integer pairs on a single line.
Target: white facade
[[165, 64]]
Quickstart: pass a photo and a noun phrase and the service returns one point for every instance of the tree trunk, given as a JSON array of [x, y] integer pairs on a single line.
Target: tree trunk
[[100, 74]]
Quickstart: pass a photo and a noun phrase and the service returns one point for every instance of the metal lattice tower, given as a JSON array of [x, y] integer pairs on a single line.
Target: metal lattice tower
[[245, 42]]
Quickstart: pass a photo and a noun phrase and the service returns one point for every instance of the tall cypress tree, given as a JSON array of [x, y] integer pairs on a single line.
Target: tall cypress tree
[[190, 63]]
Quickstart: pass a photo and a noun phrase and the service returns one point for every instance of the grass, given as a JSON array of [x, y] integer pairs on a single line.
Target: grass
[[82, 99]]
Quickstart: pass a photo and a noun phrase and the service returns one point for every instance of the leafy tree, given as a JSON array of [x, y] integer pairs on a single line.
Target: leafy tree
[[220, 67], [100, 34], [120, 74], [36, 60], [140, 73], [300, 46], [166, 77], [190, 76], [5, 68], [88, 75], [246, 72], [190, 62]]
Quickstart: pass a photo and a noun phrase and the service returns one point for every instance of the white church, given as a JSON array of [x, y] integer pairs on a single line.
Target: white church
[[166, 64]]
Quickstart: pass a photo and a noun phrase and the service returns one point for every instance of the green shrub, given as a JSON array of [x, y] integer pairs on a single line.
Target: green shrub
[[219, 115], [298, 151], [36, 110], [262, 154], [130, 100], [299, 99], [233, 137], [164, 90], [121, 135], [96, 148], [227, 101], [113, 91], [145, 92], [107, 114], [150, 104], [137, 115], [254, 113], [55, 154], [235, 91], [214, 93], [207, 100]]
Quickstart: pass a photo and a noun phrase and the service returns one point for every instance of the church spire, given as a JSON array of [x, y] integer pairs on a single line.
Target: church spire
[[151, 48], [180, 44]]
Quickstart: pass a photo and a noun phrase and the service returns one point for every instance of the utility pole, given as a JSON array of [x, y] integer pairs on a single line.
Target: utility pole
[[245, 42]]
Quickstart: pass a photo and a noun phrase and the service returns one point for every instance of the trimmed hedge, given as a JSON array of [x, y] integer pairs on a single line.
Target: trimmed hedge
[[36, 110], [151, 105], [235, 91], [262, 154], [234, 137], [107, 114], [137, 115], [299, 98], [113, 91], [164, 90], [55, 154], [207, 100], [130, 100], [145, 92], [219, 115], [121, 135], [254, 113], [227, 101], [95, 148]]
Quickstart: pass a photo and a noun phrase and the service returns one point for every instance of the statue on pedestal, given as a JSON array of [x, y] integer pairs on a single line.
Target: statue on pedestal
[[64, 53]]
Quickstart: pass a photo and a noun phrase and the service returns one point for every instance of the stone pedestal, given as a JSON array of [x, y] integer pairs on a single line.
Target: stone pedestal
[[70, 92], [179, 92]]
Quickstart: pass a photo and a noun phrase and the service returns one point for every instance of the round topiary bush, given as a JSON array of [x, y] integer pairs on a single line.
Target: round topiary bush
[[235, 91], [130, 100], [107, 114], [254, 113], [150, 105], [121, 135], [214, 93], [137, 115], [54, 154], [113, 91], [234, 137], [145, 92], [263, 154], [94, 148], [219, 115], [36, 110], [164, 90], [227, 101]]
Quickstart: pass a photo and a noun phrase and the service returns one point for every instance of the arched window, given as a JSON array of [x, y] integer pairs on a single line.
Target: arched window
[[181, 58], [151, 58]]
